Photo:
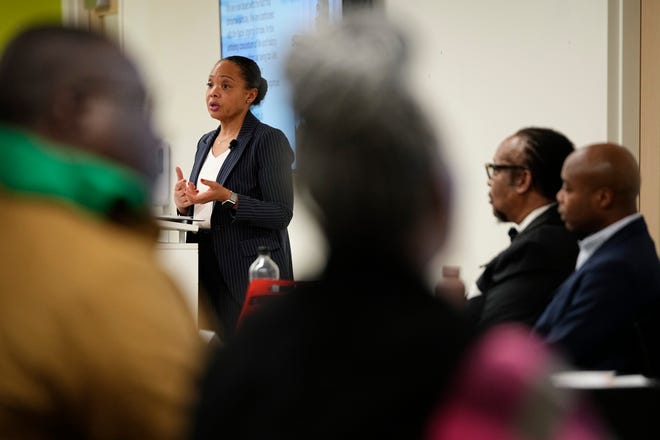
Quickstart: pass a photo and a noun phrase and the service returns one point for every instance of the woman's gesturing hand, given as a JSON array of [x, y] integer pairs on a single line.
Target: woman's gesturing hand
[[181, 189], [215, 192]]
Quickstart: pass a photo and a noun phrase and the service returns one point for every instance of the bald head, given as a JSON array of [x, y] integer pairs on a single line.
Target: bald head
[[600, 186], [77, 88], [609, 165]]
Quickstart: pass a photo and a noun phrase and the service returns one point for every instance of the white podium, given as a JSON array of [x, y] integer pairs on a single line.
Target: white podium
[[179, 258]]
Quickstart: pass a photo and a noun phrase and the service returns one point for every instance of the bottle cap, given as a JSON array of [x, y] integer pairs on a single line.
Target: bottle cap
[[451, 271]]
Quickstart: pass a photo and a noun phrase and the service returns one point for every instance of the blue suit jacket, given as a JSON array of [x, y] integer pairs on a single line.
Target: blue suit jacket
[[592, 316], [258, 169]]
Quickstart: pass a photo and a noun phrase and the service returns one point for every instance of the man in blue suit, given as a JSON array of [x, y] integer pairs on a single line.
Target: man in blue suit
[[599, 316]]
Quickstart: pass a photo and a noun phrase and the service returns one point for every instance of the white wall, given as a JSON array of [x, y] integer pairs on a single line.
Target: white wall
[[176, 43], [483, 69]]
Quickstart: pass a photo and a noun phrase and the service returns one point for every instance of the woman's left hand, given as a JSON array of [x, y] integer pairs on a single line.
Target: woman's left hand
[[215, 192]]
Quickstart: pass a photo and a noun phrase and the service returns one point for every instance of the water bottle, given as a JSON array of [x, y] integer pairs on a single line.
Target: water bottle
[[451, 286], [264, 266]]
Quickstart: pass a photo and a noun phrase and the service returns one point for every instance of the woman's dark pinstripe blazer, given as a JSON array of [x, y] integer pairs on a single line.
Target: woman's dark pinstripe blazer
[[258, 169]]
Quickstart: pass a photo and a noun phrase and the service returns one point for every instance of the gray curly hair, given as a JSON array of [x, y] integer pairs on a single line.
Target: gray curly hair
[[366, 153]]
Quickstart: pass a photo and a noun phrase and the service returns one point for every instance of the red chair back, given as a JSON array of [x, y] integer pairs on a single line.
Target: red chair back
[[259, 291]]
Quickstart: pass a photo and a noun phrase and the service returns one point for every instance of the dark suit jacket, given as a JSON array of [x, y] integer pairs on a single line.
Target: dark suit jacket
[[366, 352], [518, 283], [258, 169], [593, 314]]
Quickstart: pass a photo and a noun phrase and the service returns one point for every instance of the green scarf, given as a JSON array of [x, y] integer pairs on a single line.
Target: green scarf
[[32, 166]]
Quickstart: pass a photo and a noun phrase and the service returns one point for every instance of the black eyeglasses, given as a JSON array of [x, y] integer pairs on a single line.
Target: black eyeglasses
[[492, 168]]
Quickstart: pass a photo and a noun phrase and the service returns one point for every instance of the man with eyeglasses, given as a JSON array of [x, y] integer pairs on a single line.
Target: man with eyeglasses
[[523, 180]]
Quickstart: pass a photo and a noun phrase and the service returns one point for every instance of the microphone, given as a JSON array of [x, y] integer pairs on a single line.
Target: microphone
[[233, 143]]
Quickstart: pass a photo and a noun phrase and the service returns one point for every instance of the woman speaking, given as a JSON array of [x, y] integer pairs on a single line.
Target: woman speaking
[[240, 189]]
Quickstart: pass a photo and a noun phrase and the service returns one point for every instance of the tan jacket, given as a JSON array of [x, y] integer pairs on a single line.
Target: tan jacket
[[95, 340]]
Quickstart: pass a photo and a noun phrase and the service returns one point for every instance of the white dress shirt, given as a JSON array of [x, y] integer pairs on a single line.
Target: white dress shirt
[[209, 171], [590, 244]]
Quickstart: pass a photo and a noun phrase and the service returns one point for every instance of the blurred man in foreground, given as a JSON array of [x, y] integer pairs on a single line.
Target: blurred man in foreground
[[95, 340]]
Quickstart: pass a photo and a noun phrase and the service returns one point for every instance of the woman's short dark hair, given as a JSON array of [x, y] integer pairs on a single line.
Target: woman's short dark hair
[[251, 73]]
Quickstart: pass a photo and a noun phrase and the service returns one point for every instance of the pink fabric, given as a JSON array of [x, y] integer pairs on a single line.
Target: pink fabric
[[503, 393]]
